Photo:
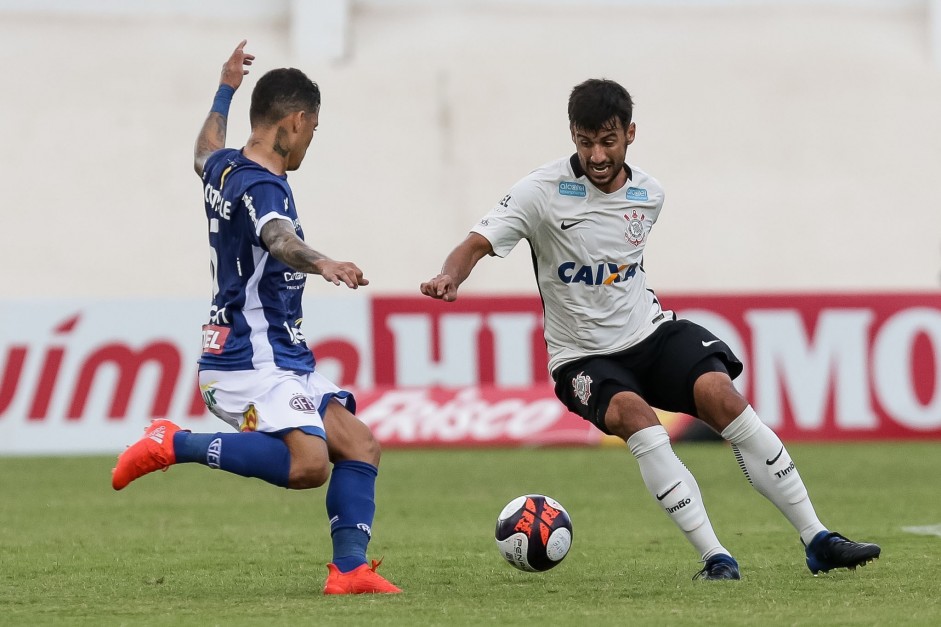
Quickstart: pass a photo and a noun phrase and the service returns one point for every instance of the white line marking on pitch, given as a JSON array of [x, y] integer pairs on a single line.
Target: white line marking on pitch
[[925, 530]]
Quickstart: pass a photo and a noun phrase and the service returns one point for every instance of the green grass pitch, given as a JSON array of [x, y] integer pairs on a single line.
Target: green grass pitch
[[200, 547]]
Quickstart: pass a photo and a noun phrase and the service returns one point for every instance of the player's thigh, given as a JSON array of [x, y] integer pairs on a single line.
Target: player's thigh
[[628, 413], [718, 403], [348, 437], [589, 386], [684, 354]]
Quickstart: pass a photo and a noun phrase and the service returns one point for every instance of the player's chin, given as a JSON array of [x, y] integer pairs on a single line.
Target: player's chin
[[601, 181]]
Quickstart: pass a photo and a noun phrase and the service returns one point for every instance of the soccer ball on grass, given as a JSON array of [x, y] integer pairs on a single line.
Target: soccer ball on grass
[[534, 532]]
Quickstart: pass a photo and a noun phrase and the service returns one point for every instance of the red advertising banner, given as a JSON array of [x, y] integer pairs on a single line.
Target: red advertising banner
[[86, 376], [817, 367], [823, 367]]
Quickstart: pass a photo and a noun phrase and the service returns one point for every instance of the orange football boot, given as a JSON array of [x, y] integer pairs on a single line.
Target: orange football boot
[[152, 452], [360, 580]]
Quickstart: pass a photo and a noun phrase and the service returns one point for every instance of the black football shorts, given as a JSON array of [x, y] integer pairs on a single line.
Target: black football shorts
[[661, 369]]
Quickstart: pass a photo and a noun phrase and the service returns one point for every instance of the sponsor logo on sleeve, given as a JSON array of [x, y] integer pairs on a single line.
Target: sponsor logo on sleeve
[[636, 193], [247, 201]]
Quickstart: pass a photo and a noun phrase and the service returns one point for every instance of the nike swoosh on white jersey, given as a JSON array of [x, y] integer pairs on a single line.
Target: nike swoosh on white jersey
[[710, 342]]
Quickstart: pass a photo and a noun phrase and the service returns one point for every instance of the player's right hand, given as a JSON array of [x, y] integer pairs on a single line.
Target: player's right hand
[[345, 272], [441, 287], [235, 67]]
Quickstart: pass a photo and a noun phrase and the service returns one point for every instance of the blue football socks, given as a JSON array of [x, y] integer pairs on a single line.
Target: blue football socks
[[249, 454], [351, 506]]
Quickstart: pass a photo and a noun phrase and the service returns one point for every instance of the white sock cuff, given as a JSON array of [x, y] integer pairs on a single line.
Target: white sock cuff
[[743, 427], [648, 439]]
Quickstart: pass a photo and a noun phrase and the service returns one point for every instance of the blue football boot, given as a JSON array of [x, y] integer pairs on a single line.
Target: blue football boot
[[829, 550], [719, 566]]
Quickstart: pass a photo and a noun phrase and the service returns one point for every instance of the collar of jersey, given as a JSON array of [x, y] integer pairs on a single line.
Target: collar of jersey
[[579, 172]]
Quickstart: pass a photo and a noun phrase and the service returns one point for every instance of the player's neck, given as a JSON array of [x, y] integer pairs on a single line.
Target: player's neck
[[261, 149]]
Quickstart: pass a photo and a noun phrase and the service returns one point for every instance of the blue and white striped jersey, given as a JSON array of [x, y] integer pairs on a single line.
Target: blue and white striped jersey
[[255, 317]]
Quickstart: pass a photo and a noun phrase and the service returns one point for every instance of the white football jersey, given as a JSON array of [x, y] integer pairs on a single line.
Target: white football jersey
[[588, 250]]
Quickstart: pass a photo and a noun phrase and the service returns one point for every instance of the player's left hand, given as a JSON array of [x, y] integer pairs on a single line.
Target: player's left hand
[[234, 68], [342, 272]]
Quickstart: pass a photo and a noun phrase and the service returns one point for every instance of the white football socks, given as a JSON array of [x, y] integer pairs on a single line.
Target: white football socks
[[674, 488], [768, 467]]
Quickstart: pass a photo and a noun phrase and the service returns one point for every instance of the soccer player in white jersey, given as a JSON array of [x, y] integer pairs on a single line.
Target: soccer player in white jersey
[[614, 351], [256, 372]]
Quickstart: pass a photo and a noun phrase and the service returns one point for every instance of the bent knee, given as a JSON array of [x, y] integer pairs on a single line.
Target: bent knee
[[627, 414], [368, 450], [718, 403], [306, 474], [357, 444]]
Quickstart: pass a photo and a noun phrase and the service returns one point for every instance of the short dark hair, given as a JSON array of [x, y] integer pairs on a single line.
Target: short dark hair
[[282, 92], [593, 103]]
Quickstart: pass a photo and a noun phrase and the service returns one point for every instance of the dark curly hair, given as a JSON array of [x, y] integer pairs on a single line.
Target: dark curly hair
[[595, 102], [282, 92]]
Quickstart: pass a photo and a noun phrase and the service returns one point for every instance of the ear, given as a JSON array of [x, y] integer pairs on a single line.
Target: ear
[[631, 129], [298, 118], [572, 130]]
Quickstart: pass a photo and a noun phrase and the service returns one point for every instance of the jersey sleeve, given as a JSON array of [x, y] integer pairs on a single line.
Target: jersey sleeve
[[514, 218], [656, 191], [211, 161], [265, 202]]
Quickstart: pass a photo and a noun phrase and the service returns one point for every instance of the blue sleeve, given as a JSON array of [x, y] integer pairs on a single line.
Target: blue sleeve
[[214, 160], [265, 202]]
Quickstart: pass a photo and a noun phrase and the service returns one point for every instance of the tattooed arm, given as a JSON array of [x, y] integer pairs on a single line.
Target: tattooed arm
[[212, 135], [285, 246]]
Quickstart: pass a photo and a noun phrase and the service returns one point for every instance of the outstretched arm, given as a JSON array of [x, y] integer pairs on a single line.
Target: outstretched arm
[[285, 246], [457, 267], [212, 135]]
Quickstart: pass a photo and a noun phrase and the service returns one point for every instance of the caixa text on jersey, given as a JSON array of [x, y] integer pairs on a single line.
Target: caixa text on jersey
[[604, 273]]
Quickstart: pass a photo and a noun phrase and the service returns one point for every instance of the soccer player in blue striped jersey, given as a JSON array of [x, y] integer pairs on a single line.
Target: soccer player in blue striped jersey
[[256, 371]]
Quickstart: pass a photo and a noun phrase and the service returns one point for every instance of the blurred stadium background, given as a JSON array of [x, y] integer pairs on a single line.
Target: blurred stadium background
[[798, 143]]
